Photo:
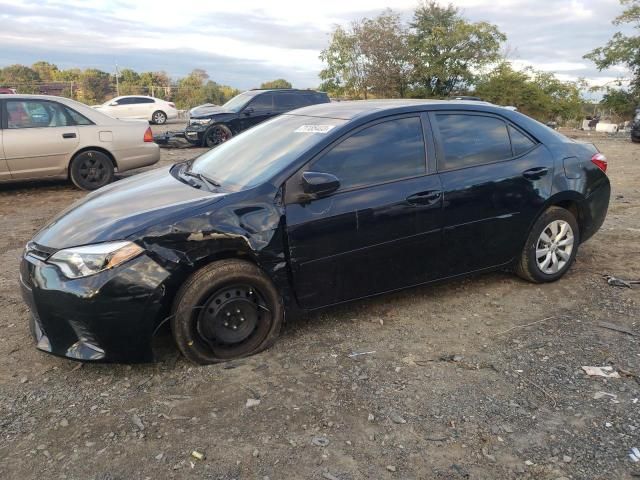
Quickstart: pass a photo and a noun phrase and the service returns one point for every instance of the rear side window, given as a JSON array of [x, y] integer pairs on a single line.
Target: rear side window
[[469, 140], [520, 142], [262, 103], [384, 152], [289, 101]]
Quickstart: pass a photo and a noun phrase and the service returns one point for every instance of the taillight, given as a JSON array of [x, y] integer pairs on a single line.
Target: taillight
[[172, 105], [600, 161], [148, 135]]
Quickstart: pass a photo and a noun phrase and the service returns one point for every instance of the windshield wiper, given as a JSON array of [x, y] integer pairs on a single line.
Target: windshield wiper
[[203, 178]]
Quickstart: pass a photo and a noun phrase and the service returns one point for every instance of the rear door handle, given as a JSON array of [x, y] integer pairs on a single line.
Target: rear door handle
[[68, 135], [425, 198], [535, 173]]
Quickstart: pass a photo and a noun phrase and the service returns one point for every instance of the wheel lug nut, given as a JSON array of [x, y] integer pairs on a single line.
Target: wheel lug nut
[[242, 319], [237, 310], [226, 324], [228, 314], [234, 327]]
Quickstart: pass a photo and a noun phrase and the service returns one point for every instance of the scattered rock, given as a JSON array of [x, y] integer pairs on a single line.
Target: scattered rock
[[566, 459], [391, 468], [320, 441], [137, 422], [395, 418], [64, 422], [252, 402]]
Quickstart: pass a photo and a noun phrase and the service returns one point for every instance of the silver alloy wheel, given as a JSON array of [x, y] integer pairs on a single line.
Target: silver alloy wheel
[[159, 118], [554, 247]]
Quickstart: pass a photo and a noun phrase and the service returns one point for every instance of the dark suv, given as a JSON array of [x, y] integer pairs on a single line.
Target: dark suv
[[243, 111], [635, 127]]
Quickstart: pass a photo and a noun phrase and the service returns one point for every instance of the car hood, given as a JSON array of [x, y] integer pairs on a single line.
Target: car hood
[[123, 208], [207, 112]]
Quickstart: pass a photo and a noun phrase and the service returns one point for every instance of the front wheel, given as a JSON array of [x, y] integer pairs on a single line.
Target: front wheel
[[216, 135], [159, 118], [90, 170], [551, 247], [228, 309]]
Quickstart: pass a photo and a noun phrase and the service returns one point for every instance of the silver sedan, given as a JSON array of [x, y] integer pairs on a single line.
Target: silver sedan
[[53, 137]]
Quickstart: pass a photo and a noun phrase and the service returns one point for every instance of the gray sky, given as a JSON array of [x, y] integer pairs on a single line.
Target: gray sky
[[245, 42]]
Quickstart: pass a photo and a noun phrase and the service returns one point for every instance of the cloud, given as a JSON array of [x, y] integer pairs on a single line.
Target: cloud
[[245, 43]]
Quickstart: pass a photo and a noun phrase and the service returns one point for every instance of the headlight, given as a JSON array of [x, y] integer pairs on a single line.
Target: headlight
[[79, 262], [199, 121]]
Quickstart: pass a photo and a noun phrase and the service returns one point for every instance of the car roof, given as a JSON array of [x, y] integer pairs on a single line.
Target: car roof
[[350, 110], [283, 90]]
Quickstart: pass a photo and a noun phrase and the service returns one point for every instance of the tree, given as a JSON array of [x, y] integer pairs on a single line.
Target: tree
[[537, 94], [46, 71], [447, 50], [278, 83], [383, 42], [345, 74], [619, 102], [24, 79], [94, 86], [622, 49]]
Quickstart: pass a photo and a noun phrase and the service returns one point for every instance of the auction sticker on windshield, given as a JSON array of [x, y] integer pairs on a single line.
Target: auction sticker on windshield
[[313, 128]]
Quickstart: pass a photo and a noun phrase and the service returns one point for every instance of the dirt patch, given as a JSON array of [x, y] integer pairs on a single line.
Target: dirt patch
[[479, 378]]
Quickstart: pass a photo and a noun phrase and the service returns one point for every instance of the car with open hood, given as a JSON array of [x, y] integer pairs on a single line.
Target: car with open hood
[[210, 125], [320, 206]]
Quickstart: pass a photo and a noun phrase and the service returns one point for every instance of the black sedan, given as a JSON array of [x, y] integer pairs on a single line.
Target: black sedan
[[324, 205]]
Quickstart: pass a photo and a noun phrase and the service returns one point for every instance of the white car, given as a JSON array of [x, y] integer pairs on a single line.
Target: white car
[[152, 109]]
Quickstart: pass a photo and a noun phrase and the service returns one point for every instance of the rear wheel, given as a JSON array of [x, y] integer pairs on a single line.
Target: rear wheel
[[216, 135], [159, 117], [228, 309], [551, 246], [90, 170]]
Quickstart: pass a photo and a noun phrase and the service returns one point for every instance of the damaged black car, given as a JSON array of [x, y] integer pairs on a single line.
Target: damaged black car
[[324, 205], [210, 126]]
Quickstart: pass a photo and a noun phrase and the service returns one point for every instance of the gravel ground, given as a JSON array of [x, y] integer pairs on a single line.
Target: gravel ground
[[479, 378]]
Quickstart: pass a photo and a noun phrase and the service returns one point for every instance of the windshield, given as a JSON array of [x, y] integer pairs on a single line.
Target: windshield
[[254, 156], [239, 101]]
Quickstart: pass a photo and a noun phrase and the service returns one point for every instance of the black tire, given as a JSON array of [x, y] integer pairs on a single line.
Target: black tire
[[530, 264], [90, 170], [226, 310], [215, 135], [159, 117]]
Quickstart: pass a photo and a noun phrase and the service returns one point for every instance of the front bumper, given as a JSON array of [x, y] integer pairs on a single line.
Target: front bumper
[[110, 316], [194, 133]]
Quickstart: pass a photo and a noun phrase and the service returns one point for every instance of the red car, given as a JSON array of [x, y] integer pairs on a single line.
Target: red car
[[6, 90]]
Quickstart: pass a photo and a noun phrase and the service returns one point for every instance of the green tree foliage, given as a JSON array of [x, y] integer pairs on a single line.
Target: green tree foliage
[[437, 53], [196, 89], [277, 83], [622, 49], [94, 86], [447, 50], [346, 72], [384, 43], [18, 76], [537, 94], [619, 103]]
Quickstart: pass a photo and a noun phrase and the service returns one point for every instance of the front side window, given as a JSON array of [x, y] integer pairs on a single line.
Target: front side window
[[262, 103], [36, 114], [469, 140], [263, 151], [384, 152]]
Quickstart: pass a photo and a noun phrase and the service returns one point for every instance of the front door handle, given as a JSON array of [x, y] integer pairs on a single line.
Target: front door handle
[[425, 198], [68, 135], [535, 173]]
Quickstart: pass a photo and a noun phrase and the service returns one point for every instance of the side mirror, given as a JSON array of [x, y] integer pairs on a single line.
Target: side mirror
[[113, 104], [319, 184], [248, 111]]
